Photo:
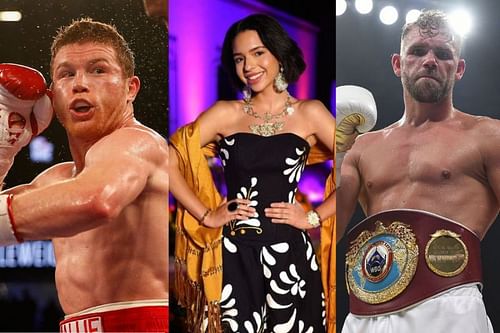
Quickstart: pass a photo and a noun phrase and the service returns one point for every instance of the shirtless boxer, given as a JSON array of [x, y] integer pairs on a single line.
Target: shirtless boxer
[[106, 211], [430, 184]]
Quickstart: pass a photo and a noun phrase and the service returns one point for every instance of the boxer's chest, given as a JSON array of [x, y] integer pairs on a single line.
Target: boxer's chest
[[432, 157]]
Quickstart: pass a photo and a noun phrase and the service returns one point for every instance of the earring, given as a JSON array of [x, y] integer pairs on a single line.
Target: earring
[[280, 83], [247, 93]]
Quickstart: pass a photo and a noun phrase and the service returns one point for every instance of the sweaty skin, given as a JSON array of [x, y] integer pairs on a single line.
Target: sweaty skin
[[106, 212], [407, 167], [435, 158]]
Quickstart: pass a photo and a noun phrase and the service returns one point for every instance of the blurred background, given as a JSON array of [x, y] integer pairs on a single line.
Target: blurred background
[[366, 37], [196, 79], [28, 300]]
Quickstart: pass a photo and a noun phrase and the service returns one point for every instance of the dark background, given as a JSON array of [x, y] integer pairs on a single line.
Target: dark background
[[363, 50], [28, 42]]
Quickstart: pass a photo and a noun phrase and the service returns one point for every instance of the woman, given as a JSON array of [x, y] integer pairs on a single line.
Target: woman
[[270, 278]]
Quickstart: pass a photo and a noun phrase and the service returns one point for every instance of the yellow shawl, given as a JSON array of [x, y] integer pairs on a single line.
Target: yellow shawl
[[327, 251], [198, 251], [328, 256]]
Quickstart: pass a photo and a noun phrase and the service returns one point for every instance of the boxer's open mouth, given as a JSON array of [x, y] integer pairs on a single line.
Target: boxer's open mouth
[[81, 106]]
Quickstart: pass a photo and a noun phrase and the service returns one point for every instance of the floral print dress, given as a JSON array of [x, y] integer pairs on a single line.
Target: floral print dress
[[271, 278]]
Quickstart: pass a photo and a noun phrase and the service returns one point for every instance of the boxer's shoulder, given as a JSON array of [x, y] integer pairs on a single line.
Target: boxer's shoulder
[[131, 143], [479, 131], [472, 122], [139, 130], [131, 136], [370, 138], [58, 172], [486, 135], [486, 125]]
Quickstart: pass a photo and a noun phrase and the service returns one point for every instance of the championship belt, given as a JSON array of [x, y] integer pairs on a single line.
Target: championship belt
[[398, 258]]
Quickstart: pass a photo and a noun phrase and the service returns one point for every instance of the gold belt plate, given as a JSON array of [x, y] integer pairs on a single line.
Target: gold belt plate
[[380, 264]]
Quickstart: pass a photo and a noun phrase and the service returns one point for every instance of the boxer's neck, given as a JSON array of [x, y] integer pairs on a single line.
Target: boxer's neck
[[417, 113]]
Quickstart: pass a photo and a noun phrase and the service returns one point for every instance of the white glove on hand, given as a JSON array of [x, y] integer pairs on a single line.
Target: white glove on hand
[[356, 113]]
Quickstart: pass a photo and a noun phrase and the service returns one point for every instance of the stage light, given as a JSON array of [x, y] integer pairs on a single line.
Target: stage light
[[10, 16], [340, 7], [363, 6], [461, 21], [41, 150], [412, 15], [388, 15]]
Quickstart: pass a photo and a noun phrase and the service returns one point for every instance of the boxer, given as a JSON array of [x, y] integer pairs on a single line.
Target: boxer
[[107, 210], [430, 186]]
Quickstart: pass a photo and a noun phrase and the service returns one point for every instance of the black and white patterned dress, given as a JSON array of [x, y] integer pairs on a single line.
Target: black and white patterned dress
[[271, 278]]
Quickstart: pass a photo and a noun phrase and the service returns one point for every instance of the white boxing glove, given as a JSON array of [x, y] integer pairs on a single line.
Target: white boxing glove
[[25, 110], [356, 113]]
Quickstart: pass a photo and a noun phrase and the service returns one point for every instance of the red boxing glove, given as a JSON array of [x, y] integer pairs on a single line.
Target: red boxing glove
[[25, 110], [23, 82]]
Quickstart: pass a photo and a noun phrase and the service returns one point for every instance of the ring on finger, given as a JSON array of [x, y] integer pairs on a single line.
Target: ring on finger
[[233, 206]]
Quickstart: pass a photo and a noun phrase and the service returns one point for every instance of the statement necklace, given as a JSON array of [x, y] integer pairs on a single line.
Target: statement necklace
[[271, 123]]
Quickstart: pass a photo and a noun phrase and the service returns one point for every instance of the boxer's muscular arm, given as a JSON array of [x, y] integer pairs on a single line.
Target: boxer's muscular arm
[[347, 194], [116, 171], [45, 178]]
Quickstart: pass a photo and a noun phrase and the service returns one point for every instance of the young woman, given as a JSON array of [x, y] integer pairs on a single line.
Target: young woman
[[270, 277]]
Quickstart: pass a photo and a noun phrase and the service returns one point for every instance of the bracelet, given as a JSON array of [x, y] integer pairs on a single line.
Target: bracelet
[[12, 221], [204, 216]]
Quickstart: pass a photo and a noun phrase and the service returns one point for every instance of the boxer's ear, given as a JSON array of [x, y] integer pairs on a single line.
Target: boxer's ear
[[396, 64], [460, 69], [134, 85]]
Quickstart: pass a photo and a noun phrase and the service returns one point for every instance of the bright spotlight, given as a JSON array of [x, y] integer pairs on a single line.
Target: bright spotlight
[[412, 15], [41, 150], [340, 7], [363, 6], [10, 16], [461, 21], [388, 15]]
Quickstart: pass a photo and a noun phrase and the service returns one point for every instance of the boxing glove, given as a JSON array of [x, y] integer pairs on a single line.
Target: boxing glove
[[356, 113], [25, 110]]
